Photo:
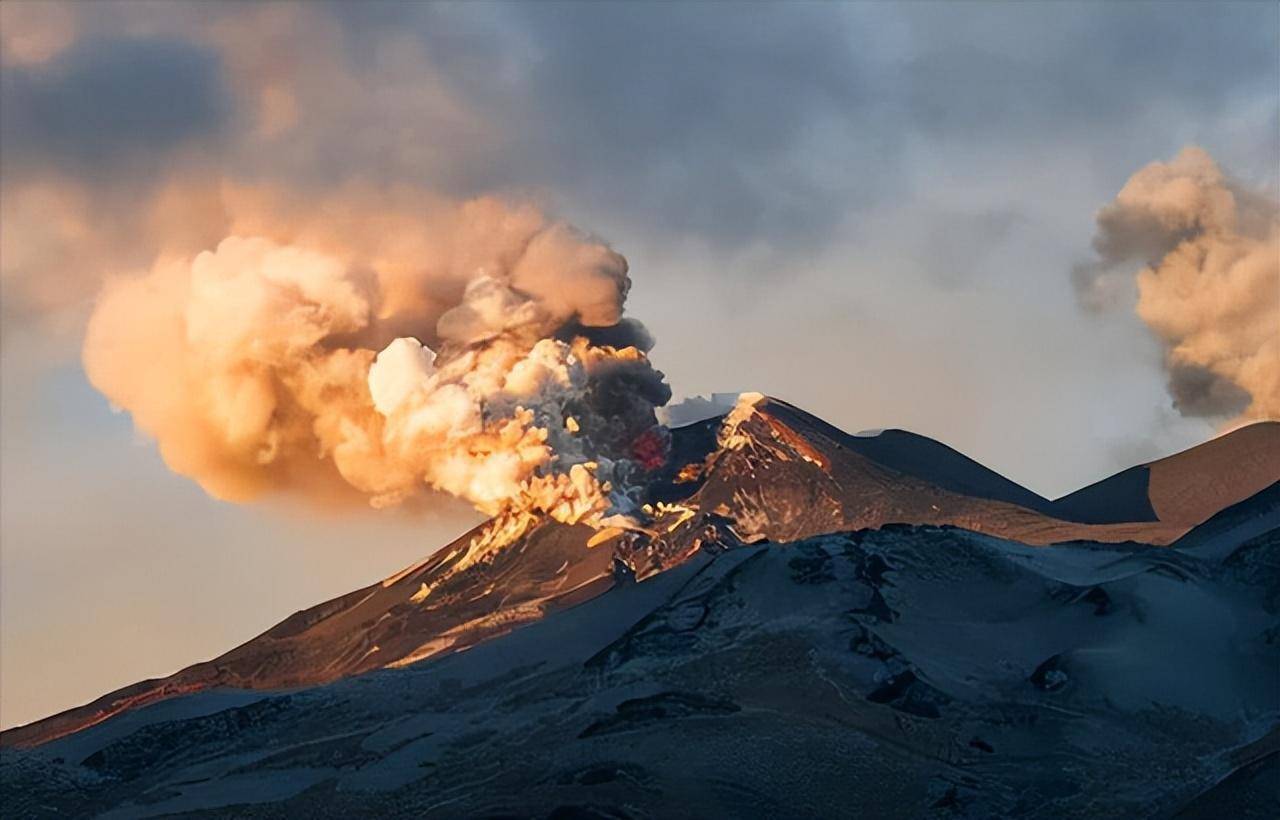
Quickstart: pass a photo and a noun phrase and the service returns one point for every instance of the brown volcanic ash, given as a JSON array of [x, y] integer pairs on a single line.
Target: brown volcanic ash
[[387, 347], [1209, 283], [769, 471]]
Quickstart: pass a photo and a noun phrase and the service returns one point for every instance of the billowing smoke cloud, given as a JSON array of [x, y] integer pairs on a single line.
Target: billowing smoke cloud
[[389, 345], [1206, 253]]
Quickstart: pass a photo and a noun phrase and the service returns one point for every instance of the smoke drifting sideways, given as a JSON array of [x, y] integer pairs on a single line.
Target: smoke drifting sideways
[[390, 348], [1206, 252]]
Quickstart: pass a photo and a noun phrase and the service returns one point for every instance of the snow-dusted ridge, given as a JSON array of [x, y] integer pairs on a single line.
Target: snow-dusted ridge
[[898, 673], [761, 636]]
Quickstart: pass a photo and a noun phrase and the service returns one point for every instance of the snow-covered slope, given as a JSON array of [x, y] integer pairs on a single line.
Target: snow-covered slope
[[779, 474], [1217, 537], [905, 672]]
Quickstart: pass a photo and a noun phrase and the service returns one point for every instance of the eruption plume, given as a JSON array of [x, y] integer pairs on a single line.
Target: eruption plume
[[1210, 285], [479, 350]]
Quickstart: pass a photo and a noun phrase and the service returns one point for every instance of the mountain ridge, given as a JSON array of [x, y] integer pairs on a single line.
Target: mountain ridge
[[910, 671], [779, 475], [1171, 488]]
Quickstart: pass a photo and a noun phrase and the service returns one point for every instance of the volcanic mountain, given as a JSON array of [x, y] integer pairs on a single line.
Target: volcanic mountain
[[768, 472], [810, 622]]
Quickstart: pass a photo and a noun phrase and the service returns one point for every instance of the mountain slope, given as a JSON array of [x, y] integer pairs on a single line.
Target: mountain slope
[[383, 624], [785, 474], [1182, 489], [1188, 487], [925, 459], [1225, 532], [905, 672], [771, 472]]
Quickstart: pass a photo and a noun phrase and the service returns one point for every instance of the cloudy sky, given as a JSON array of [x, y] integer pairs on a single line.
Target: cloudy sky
[[872, 211]]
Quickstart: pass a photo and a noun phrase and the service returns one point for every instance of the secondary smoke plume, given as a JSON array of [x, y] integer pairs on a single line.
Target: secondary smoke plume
[[1207, 259], [389, 344]]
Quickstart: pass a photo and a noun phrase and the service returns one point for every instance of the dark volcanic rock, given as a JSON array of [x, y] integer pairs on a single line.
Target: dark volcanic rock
[[813, 623], [731, 686]]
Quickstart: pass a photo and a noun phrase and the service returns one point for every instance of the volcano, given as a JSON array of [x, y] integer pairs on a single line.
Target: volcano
[[810, 623]]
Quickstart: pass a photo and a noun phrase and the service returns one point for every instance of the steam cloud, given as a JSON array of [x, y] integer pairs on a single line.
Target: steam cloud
[[1209, 285], [476, 349]]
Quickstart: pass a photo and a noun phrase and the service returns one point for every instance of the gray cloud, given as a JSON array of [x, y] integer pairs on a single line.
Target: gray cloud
[[111, 102], [711, 123], [767, 137], [676, 118], [977, 68], [778, 123], [773, 124]]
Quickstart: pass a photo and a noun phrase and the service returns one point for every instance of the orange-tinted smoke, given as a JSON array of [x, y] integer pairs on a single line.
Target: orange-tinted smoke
[[1204, 253], [382, 344]]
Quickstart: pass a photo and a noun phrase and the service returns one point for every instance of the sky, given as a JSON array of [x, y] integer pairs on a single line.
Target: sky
[[873, 211]]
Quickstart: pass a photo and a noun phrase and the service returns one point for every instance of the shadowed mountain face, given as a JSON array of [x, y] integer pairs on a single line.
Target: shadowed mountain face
[[1257, 514], [904, 672], [772, 474], [1188, 487]]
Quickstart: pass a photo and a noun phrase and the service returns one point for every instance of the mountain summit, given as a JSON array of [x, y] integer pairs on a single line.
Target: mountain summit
[[816, 614]]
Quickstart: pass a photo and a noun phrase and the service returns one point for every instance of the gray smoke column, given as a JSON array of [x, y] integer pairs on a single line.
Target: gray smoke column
[[391, 346], [1204, 255]]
